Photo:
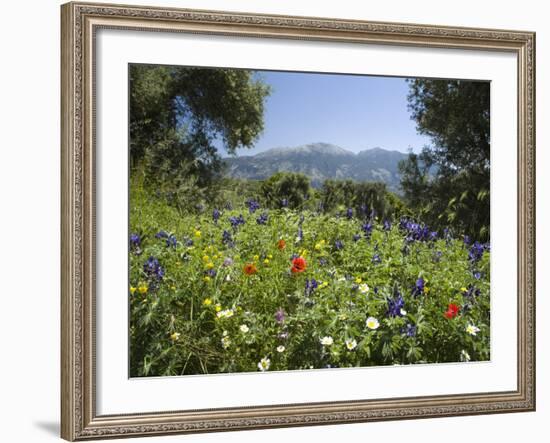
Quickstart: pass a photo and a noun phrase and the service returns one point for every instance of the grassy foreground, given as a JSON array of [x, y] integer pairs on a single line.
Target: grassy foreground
[[248, 289]]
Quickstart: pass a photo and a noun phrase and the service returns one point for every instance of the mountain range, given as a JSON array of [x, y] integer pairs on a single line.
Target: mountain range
[[321, 161]]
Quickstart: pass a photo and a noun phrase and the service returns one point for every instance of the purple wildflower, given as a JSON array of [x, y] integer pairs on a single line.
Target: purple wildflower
[[216, 215], [252, 205], [228, 261], [367, 229], [476, 252], [171, 241], [395, 305], [311, 285], [152, 269], [418, 287], [409, 330], [280, 316], [262, 219]]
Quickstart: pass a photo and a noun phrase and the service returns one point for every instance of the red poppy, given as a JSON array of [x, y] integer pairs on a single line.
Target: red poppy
[[298, 265], [281, 244], [452, 311], [250, 268]]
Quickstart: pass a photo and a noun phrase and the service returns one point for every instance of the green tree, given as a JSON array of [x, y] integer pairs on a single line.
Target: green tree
[[291, 187], [448, 182], [180, 115], [362, 197]]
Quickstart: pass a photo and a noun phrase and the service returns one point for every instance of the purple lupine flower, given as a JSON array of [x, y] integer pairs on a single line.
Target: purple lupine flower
[[311, 285], [395, 305], [188, 242], [236, 221], [284, 203], [300, 235], [476, 252], [135, 240], [418, 287], [280, 315], [367, 229], [386, 225], [467, 240], [477, 275], [349, 213], [409, 330], [152, 269], [433, 235], [338, 245], [216, 215], [227, 239], [210, 273], [161, 234], [262, 219], [471, 292], [322, 261], [252, 205], [376, 259], [171, 241], [356, 237], [437, 256]]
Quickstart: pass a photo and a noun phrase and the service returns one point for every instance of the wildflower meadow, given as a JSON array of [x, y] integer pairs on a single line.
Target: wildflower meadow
[[244, 288]]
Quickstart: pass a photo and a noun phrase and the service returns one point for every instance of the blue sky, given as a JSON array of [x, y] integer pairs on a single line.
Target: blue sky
[[351, 111]]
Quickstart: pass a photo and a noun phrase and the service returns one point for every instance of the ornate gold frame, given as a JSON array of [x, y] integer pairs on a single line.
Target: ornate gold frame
[[79, 21]]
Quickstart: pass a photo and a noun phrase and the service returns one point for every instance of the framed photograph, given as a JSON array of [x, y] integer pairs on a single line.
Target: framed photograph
[[283, 221]]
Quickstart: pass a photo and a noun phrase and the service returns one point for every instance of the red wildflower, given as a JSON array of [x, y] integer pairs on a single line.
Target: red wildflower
[[452, 311], [281, 244], [250, 268], [298, 265]]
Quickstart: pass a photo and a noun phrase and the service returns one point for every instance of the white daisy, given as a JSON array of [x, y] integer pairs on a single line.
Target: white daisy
[[472, 330], [281, 348], [327, 341], [263, 364], [244, 328], [372, 323], [351, 344], [226, 341], [363, 288]]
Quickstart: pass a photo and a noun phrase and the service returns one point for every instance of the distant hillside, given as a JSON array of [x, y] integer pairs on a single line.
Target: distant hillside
[[320, 161]]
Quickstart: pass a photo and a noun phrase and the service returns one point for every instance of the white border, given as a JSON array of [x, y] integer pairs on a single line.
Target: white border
[[117, 394]]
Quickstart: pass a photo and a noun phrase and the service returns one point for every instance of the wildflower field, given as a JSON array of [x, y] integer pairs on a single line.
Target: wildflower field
[[241, 287]]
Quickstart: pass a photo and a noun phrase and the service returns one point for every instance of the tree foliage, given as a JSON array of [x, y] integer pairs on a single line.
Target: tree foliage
[[179, 116], [361, 197], [448, 182], [286, 189]]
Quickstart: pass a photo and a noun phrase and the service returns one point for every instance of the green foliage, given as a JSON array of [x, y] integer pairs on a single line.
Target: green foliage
[[448, 182], [178, 116], [362, 197], [206, 315], [289, 186]]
